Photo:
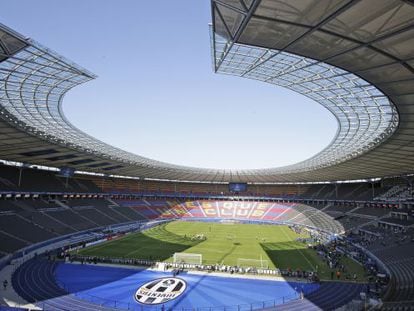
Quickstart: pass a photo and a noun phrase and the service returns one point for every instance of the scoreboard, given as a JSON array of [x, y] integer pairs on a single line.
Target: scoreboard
[[66, 171], [237, 187]]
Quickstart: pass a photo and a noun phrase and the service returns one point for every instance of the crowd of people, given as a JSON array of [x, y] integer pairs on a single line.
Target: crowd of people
[[376, 237], [308, 275]]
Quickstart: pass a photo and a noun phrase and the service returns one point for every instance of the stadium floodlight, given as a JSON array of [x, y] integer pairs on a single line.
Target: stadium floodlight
[[188, 258], [252, 263]]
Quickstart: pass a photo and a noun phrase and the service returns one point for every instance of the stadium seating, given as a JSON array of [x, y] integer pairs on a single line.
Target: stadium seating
[[350, 222], [396, 251], [128, 213], [31, 221], [372, 211], [41, 181], [401, 191], [23, 229], [10, 244], [397, 221], [26, 221], [326, 297], [73, 214], [50, 181], [72, 219], [43, 219], [224, 210]]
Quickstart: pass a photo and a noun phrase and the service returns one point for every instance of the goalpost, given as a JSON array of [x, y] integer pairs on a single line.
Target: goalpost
[[252, 263], [189, 258]]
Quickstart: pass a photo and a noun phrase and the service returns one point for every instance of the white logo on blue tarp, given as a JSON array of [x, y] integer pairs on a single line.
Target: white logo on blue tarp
[[160, 291]]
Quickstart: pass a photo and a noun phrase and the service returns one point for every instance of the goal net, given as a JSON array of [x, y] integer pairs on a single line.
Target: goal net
[[195, 259], [252, 263]]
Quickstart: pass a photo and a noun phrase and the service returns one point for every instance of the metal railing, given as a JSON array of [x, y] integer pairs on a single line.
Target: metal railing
[[106, 303]]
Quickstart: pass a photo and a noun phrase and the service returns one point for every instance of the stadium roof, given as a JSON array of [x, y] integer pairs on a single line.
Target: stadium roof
[[356, 58]]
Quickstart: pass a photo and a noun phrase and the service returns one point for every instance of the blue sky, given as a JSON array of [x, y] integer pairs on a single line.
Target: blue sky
[[156, 94]]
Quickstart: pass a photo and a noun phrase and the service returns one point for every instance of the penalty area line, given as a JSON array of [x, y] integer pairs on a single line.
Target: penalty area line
[[313, 267]]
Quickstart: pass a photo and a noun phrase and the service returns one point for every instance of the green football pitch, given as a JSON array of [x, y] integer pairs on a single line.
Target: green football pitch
[[224, 244]]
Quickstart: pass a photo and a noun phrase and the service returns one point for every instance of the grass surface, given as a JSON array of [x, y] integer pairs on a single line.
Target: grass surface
[[225, 243]]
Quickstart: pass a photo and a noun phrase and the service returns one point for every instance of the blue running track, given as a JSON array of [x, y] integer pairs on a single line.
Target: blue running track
[[203, 291], [60, 286]]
